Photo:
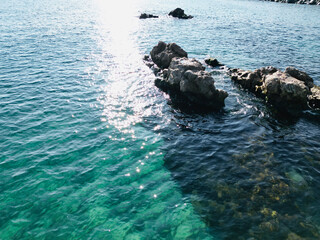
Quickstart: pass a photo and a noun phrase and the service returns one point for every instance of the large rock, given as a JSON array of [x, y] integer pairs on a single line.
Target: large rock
[[251, 80], [187, 82], [179, 13], [284, 91], [291, 90], [163, 53], [179, 66]]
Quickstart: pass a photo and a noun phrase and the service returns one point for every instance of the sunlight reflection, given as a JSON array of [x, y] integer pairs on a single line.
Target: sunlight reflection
[[117, 22], [125, 99]]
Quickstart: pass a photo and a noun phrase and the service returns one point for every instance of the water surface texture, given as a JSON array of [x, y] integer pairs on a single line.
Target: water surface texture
[[90, 149]]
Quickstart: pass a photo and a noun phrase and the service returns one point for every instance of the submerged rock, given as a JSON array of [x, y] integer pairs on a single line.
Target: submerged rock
[[179, 13], [145, 16], [291, 90], [186, 80], [297, 179]]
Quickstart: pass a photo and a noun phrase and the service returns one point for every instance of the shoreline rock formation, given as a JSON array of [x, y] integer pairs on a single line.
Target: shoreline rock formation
[[185, 80], [291, 91], [179, 13]]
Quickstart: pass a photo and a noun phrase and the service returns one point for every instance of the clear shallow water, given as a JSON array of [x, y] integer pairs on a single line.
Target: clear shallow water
[[90, 149]]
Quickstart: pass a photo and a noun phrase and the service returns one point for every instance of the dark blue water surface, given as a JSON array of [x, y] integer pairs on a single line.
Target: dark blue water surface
[[90, 148]]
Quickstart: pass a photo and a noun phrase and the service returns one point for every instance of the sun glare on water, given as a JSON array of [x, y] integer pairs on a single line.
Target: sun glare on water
[[116, 23]]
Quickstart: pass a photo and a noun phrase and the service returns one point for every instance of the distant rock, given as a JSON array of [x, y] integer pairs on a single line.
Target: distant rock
[[310, 2], [185, 80], [179, 13], [213, 62], [291, 90], [145, 16]]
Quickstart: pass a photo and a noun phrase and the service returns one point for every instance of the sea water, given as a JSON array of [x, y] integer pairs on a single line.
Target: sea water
[[91, 149]]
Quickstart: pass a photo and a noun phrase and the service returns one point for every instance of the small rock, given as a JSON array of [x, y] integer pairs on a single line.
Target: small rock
[[294, 236], [145, 16], [179, 13], [314, 97], [213, 62]]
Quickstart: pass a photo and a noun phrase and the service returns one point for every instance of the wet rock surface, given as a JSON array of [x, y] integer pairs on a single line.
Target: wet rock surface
[[184, 79], [292, 90]]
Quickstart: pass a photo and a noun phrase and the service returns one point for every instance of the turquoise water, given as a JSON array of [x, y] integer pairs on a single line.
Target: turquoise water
[[90, 149]]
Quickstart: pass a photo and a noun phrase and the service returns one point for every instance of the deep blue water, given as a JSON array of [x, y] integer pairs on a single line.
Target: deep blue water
[[90, 148]]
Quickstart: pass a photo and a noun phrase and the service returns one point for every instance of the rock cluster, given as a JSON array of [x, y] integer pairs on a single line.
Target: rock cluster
[[291, 90], [146, 15], [179, 13], [184, 79]]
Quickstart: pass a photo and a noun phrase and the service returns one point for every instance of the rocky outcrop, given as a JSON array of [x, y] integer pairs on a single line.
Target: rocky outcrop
[[291, 90], [185, 80], [146, 15], [179, 13], [163, 53], [213, 62]]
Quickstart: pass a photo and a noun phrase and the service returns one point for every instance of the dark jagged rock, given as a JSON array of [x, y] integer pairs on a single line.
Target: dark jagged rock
[[145, 16], [179, 13], [291, 90], [213, 62], [309, 2], [185, 80], [163, 53]]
